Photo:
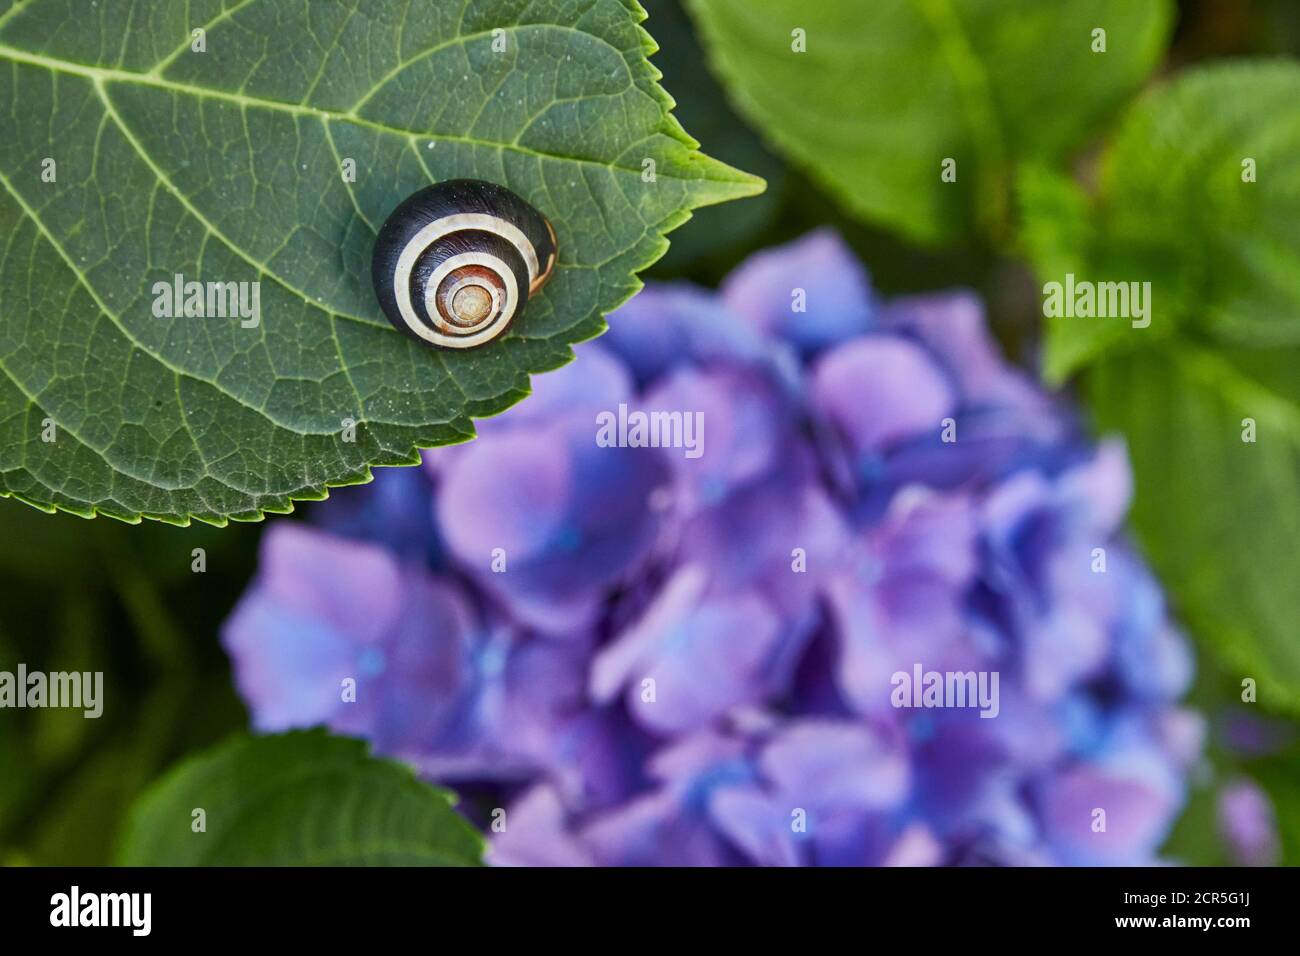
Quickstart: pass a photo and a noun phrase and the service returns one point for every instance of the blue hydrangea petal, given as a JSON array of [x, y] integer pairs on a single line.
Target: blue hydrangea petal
[[838, 302], [664, 327]]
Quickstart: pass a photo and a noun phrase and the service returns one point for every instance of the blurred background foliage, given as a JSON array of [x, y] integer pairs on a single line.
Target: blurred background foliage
[[100, 595]]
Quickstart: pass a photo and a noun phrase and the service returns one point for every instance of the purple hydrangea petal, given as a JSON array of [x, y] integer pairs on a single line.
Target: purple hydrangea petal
[[1248, 823], [515, 709], [702, 655], [1183, 733], [664, 327], [1101, 487], [758, 824], [288, 668], [821, 797], [356, 588], [783, 538], [831, 764], [317, 603], [915, 846], [657, 829], [1139, 794], [393, 510], [952, 327], [595, 379], [512, 493], [901, 600], [536, 834], [878, 391], [324, 610], [1003, 423], [748, 429], [670, 824], [570, 518], [838, 301]]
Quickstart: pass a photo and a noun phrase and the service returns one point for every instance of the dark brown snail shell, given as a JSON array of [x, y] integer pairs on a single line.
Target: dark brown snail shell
[[455, 263]]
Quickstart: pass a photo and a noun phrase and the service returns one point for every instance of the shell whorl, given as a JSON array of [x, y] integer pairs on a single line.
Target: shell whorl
[[455, 263]]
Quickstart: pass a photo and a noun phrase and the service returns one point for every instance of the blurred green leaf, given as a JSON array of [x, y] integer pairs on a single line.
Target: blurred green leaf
[[1195, 839], [1222, 254], [74, 823], [297, 799], [1058, 236], [1219, 517], [888, 90], [18, 776], [73, 549], [59, 732]]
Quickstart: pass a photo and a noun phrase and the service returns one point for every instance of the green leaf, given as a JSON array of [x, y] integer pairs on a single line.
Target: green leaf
[[1172, 208], [887, 90], [1056, 235], [1219, 517], [224, 165], [296, 799]]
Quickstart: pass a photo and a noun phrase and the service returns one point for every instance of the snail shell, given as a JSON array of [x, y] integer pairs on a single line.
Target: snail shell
[[455, 263]]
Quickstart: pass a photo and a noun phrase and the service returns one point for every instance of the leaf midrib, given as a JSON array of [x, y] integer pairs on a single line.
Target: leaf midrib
[[100, 74], [975, 88]]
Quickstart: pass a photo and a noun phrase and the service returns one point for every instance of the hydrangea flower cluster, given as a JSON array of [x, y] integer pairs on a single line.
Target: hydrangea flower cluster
[[645, 656]]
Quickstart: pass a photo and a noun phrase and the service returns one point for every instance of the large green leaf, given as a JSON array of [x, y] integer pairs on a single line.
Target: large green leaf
[[225, 165], [887, 90], [1219, 516], [297, 799]]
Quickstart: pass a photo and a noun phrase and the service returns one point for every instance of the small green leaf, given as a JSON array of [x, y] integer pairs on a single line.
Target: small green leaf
[[225, 165], [296, 799], [887, 90]]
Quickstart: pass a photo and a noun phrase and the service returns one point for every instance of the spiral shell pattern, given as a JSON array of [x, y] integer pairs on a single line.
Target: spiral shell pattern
[[455, 263]]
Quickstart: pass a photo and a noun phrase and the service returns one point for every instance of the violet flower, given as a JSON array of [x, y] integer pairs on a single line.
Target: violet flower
[[649, 656]]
